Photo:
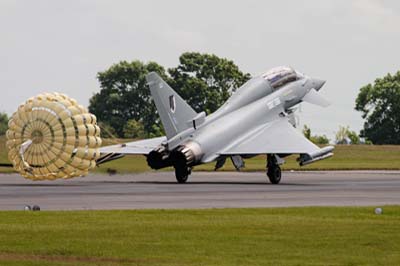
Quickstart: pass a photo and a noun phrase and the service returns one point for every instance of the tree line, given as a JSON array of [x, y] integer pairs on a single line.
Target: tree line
[[379, 104]]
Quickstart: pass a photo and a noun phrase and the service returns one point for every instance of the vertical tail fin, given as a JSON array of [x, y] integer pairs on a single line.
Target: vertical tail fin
[[173, 110]]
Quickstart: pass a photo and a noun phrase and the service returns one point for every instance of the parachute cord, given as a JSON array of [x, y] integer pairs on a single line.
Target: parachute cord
[[22, 150], [113, 139], [27, 167]]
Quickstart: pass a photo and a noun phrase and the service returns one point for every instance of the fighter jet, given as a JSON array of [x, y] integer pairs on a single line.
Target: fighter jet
[[256, 119]]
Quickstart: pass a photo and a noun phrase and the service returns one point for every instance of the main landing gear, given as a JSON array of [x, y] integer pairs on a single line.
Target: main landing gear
[[273, 170], [182, 173]]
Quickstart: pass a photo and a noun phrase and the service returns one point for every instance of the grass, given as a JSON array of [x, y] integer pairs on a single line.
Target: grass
[[347, 157], [275, 236], [3, 155]]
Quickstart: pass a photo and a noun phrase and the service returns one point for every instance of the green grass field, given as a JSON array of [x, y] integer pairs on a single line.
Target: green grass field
[[347, 157], [275, 236]]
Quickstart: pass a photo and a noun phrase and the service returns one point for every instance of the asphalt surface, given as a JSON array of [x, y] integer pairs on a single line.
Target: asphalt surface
[[203, 190]]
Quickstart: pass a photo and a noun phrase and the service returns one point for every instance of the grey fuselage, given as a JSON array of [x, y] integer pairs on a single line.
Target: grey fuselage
[[255, 103]]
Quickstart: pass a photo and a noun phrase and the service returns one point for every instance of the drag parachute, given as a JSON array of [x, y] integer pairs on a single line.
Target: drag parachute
[[50, 136]]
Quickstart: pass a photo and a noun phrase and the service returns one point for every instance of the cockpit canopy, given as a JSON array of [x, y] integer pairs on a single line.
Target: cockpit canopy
[[280, 76]]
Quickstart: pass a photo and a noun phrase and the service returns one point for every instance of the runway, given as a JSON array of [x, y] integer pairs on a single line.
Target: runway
[[203, 190]]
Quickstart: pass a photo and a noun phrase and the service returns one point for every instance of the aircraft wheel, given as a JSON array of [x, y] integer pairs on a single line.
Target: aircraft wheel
[[274, 174], [181, 175]]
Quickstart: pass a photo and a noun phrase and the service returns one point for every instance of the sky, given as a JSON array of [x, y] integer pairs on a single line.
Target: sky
[[61, 45]]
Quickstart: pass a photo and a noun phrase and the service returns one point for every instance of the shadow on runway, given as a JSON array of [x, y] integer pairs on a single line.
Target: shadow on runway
[[169, 183], [207, 183], [43, 185]]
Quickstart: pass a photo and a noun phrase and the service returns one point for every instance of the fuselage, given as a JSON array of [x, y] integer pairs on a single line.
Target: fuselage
[[259, 101]]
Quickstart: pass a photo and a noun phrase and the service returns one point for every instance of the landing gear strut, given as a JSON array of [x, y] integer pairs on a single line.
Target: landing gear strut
[[273, 169], [182, 173]]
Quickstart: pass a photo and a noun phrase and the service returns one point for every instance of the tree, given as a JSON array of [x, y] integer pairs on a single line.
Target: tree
[[124, 95], [134, 129], [206, 81], [341, 135], [379, 104], [345, 136], [316, 139], [322, 139], [307, 132], [354, 137], [3, 123]]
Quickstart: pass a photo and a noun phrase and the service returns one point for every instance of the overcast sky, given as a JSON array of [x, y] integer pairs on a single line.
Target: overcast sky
[[61, 45]]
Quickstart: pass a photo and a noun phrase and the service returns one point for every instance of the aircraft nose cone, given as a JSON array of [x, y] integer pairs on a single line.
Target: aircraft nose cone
[[318, 83]]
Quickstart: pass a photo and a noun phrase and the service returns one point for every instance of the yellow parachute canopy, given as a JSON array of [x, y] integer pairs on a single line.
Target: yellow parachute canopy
[[50, 136]]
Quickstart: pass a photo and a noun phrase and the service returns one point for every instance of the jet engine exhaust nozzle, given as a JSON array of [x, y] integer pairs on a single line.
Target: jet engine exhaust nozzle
[[187, 154], [159, 158]]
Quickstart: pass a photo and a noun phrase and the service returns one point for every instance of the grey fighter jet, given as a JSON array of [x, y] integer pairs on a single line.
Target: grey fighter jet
[[256, 119]]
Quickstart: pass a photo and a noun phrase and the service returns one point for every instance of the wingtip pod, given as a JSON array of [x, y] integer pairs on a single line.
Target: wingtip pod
[[321, 154], [51, 136]]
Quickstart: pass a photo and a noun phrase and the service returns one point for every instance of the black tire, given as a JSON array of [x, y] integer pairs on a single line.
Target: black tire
[[181, 175], [274, 174]]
